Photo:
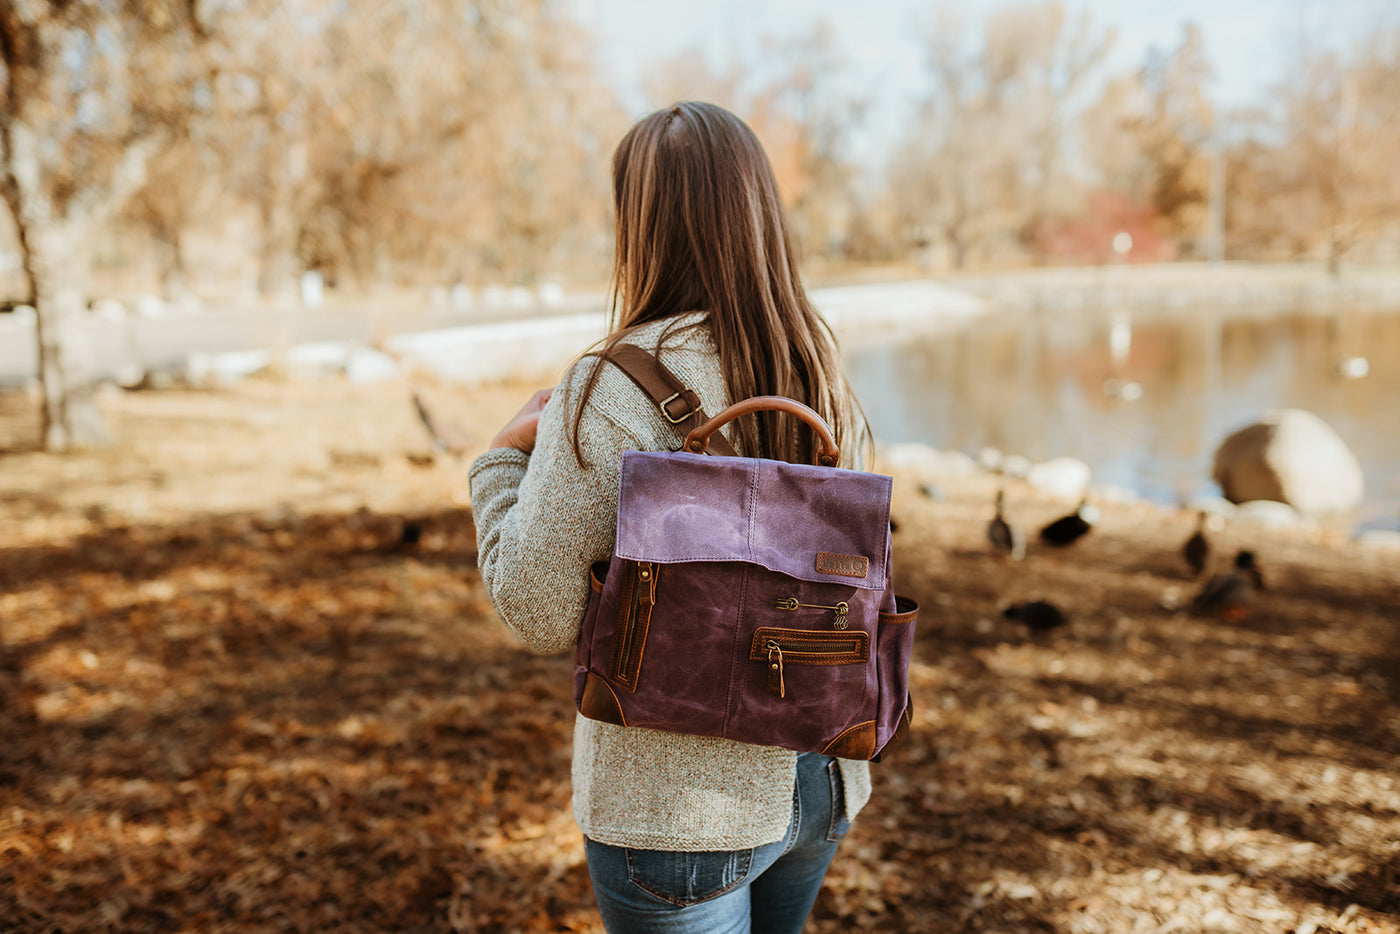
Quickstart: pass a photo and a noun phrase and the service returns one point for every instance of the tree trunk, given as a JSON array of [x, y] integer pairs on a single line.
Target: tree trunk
[[1336, 248], [57, 261], [174, 276], [277, 260], [959, 251]]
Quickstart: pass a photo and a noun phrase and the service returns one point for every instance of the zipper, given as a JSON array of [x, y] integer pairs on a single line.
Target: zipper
[[776, 687], [636, 601], [777, 648]]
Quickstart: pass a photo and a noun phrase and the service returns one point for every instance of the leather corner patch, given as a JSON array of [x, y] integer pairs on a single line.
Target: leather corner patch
[[599, 702], [857, 742], [844, 565]]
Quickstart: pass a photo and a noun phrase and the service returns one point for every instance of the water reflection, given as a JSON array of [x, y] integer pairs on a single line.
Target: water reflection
[[1144, 399]]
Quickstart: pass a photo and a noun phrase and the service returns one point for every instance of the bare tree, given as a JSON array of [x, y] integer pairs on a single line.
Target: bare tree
[[409, 140], [983, 163], [807, 115], [1150, 136], [178, 190], [1315, 174], [451, 141], [79, 122], [793, 91], [1046, 58], [690, 75], [1341, 120]]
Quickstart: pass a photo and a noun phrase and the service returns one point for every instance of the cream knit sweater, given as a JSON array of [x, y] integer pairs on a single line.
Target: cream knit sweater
[[541, 522]]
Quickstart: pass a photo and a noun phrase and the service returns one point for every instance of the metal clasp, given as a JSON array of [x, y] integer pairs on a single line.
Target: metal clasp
[[842, 609], [666, 414]]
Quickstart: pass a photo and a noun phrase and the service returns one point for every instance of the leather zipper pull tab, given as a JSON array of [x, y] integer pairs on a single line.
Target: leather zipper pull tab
[[775, 670], [648, 574]]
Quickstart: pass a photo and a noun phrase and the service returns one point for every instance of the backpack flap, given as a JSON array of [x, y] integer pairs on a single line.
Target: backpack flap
[[819, 524]]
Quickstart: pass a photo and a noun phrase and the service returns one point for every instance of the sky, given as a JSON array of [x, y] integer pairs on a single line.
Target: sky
[[1244, 38]]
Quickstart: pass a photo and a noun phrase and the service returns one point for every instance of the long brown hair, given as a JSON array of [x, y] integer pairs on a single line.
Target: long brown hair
[[700, 227]]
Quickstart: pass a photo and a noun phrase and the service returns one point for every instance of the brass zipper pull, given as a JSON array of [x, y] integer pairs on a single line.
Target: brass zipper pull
[[776, 687], [647, 576], [842, 609]]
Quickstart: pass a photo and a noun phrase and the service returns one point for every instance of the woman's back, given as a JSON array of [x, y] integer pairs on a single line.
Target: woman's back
[[705, 279]]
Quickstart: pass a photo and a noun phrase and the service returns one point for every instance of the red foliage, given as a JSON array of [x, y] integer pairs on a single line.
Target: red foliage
[[1089, 237]]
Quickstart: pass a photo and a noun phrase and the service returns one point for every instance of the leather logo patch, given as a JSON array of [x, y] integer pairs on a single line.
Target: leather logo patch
[[845, 565]]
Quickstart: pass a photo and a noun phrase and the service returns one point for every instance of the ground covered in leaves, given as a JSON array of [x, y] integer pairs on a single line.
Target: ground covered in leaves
[[249, 681]]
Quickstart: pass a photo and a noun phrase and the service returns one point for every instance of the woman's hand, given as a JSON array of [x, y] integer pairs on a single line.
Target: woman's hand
[[519, 432]]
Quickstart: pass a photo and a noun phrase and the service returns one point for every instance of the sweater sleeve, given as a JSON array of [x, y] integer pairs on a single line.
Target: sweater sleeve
[[542, 519]]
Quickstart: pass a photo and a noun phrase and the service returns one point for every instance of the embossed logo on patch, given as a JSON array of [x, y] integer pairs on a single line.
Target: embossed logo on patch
[[845, 565]]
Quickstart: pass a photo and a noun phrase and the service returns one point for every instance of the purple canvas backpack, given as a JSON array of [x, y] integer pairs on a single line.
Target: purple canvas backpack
[[747, 598]]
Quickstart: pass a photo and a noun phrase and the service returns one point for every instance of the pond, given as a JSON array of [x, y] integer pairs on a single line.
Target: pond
[[1143, 399]]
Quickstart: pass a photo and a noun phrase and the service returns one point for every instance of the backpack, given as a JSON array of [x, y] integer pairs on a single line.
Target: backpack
[[746, 598]]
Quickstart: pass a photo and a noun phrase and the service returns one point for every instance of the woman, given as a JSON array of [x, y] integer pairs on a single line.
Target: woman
[[683, 833]]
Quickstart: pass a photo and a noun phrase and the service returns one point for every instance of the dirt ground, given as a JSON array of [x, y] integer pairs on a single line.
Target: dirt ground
[[249, 681]]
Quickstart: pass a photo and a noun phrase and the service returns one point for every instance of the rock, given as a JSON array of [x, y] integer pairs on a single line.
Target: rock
[[318, 359], [108, 310], [370, 366], [1016, 466], [921, 460], [1289, 456], [130, 375], [151, 306], [1064, 477], [1268, 513], [206, 369]]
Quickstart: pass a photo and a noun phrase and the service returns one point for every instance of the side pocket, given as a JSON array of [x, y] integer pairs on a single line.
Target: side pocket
[[638, 598], [895, 644], [583, 650]]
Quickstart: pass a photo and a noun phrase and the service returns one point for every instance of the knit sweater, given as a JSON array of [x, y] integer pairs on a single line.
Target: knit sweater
[[542, 520]]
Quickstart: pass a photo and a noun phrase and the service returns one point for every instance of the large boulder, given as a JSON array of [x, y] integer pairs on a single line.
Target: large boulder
[[1293, 457], [1065, 477]]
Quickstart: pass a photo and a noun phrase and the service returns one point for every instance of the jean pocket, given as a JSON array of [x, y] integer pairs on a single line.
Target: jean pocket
[[839, 822], [687, 878]]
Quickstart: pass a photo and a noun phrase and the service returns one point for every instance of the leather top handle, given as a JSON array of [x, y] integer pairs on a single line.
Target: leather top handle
[[828, 454]]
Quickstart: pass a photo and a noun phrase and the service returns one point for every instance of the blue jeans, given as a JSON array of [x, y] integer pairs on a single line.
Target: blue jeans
[[768, 889]]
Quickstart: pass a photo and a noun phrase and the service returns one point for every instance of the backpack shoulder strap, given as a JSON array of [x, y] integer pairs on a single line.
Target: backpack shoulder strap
[[678, 403]]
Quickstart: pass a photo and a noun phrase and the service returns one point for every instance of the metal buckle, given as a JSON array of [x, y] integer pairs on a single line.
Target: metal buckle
[[672, 398]]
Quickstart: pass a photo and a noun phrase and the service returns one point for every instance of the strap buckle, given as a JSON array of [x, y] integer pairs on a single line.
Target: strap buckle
[[685, 395]]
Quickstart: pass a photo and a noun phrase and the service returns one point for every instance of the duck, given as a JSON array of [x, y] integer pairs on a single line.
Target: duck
[[1037, 615], [1229, 593], [1004, 536], [1196, 550], [1067, 530]]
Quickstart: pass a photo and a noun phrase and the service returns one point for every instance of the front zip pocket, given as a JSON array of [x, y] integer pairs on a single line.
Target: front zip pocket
[[777, 648], [635, 604]]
